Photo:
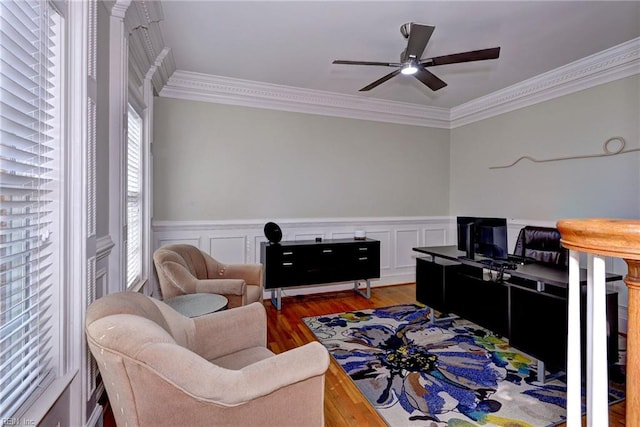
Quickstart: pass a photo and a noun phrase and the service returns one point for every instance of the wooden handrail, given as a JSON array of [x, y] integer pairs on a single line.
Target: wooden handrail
[[621, 239]]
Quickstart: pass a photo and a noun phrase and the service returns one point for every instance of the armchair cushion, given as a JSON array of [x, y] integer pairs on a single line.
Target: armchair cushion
[[161, 368]]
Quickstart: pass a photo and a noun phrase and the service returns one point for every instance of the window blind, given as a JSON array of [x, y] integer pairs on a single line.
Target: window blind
[[134, 196], [29, 143]]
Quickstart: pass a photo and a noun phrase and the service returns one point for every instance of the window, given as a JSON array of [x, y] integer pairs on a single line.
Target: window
[[30, 179], [134, 197]]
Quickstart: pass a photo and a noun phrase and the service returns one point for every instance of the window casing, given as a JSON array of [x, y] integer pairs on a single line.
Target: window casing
[[30, 199]]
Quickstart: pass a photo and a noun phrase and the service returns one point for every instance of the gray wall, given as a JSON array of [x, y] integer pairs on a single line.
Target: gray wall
[[576, 124], [217, 162]]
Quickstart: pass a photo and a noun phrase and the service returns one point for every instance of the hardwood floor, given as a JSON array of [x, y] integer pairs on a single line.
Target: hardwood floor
[[344, 404]]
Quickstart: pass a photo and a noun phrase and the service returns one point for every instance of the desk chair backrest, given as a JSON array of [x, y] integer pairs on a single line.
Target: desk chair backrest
[[541, 244]]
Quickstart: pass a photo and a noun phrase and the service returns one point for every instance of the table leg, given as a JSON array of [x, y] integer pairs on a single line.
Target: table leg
[[356, 288], [276, 298]]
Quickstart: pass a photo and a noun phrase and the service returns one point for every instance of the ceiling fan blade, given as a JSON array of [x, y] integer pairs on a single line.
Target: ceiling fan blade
[[474, 55], [419, 36], [380, 81], [431, 80], [383, 64]]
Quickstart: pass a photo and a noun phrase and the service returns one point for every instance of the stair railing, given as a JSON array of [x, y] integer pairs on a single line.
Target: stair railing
[[600, 238]]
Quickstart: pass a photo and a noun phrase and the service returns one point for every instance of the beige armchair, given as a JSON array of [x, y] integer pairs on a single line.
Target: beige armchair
[[160, 368], [184, 269]]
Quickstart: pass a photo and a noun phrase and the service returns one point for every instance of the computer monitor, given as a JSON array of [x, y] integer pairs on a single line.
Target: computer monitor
[[467, 236], [483, 236]]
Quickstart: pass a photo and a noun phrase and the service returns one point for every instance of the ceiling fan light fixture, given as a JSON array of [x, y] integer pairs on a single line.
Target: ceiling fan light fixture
[[409, 69]]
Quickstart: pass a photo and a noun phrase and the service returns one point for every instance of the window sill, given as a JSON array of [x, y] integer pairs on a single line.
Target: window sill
[[139, 286], [37, 411]]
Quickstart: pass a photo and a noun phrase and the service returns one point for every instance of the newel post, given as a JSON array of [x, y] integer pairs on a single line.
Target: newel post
[[632, 281]]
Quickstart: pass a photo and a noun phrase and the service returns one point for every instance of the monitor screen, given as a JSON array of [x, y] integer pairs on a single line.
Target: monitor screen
[[483, 236]]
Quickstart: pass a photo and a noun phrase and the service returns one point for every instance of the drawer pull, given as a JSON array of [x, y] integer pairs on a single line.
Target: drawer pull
[[363, 258], [363, 249], [327, 251], [287, 264], [287, 253]]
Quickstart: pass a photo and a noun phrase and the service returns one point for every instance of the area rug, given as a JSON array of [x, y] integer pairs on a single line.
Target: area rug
[[453, 374]]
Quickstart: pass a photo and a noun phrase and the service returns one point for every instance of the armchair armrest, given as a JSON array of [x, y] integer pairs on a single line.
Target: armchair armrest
[[225, 332], [210, 383], [250, 273], [221, 286], [292, 366]]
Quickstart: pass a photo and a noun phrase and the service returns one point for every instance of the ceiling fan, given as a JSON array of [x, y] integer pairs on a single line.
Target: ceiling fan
[[417, 36]]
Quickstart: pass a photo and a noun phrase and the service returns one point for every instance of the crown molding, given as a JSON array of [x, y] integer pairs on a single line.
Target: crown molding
[[147, 50], [117, 8], [226, 90], [612, 64]]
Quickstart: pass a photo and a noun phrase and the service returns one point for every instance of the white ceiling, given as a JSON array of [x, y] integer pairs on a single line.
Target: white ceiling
[[293, 43]]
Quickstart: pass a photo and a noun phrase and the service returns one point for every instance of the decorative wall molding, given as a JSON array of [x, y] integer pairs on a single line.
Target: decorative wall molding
[[104, 245], [239, 241], [609, 65], [226, 90]]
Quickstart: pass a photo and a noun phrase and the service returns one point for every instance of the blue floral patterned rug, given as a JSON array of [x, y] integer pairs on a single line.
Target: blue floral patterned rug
[[453, 374]]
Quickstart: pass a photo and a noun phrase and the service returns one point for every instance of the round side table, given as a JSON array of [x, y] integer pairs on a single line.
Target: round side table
[[194, 305]]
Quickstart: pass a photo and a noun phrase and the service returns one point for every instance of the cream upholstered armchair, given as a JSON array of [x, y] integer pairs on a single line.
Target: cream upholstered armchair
[[184, 269], [163, 369]]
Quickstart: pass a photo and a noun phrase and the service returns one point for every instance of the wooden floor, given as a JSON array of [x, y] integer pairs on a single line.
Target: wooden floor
[[344, 404]]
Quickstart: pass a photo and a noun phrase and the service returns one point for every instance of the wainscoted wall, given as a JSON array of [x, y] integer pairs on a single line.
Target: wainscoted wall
[[239, 242]]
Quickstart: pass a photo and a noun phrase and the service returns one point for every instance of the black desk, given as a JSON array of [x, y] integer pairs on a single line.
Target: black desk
[[528, 306]]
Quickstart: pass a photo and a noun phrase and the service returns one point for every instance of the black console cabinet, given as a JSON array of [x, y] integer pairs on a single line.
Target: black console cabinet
[[300, 263]]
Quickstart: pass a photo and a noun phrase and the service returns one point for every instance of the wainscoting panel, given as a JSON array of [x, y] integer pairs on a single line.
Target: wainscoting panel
[[435, 237], [177, 241], [231, 249], [406, 240]]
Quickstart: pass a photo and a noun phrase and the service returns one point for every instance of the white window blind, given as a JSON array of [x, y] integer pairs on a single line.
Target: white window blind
[[134, 196], [29, 182]]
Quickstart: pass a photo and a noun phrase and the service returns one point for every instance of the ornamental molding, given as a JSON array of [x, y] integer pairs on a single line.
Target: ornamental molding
[[609, 65], [227, 90], [612, 64], [147, 49], [258, 224], [104, 245]]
